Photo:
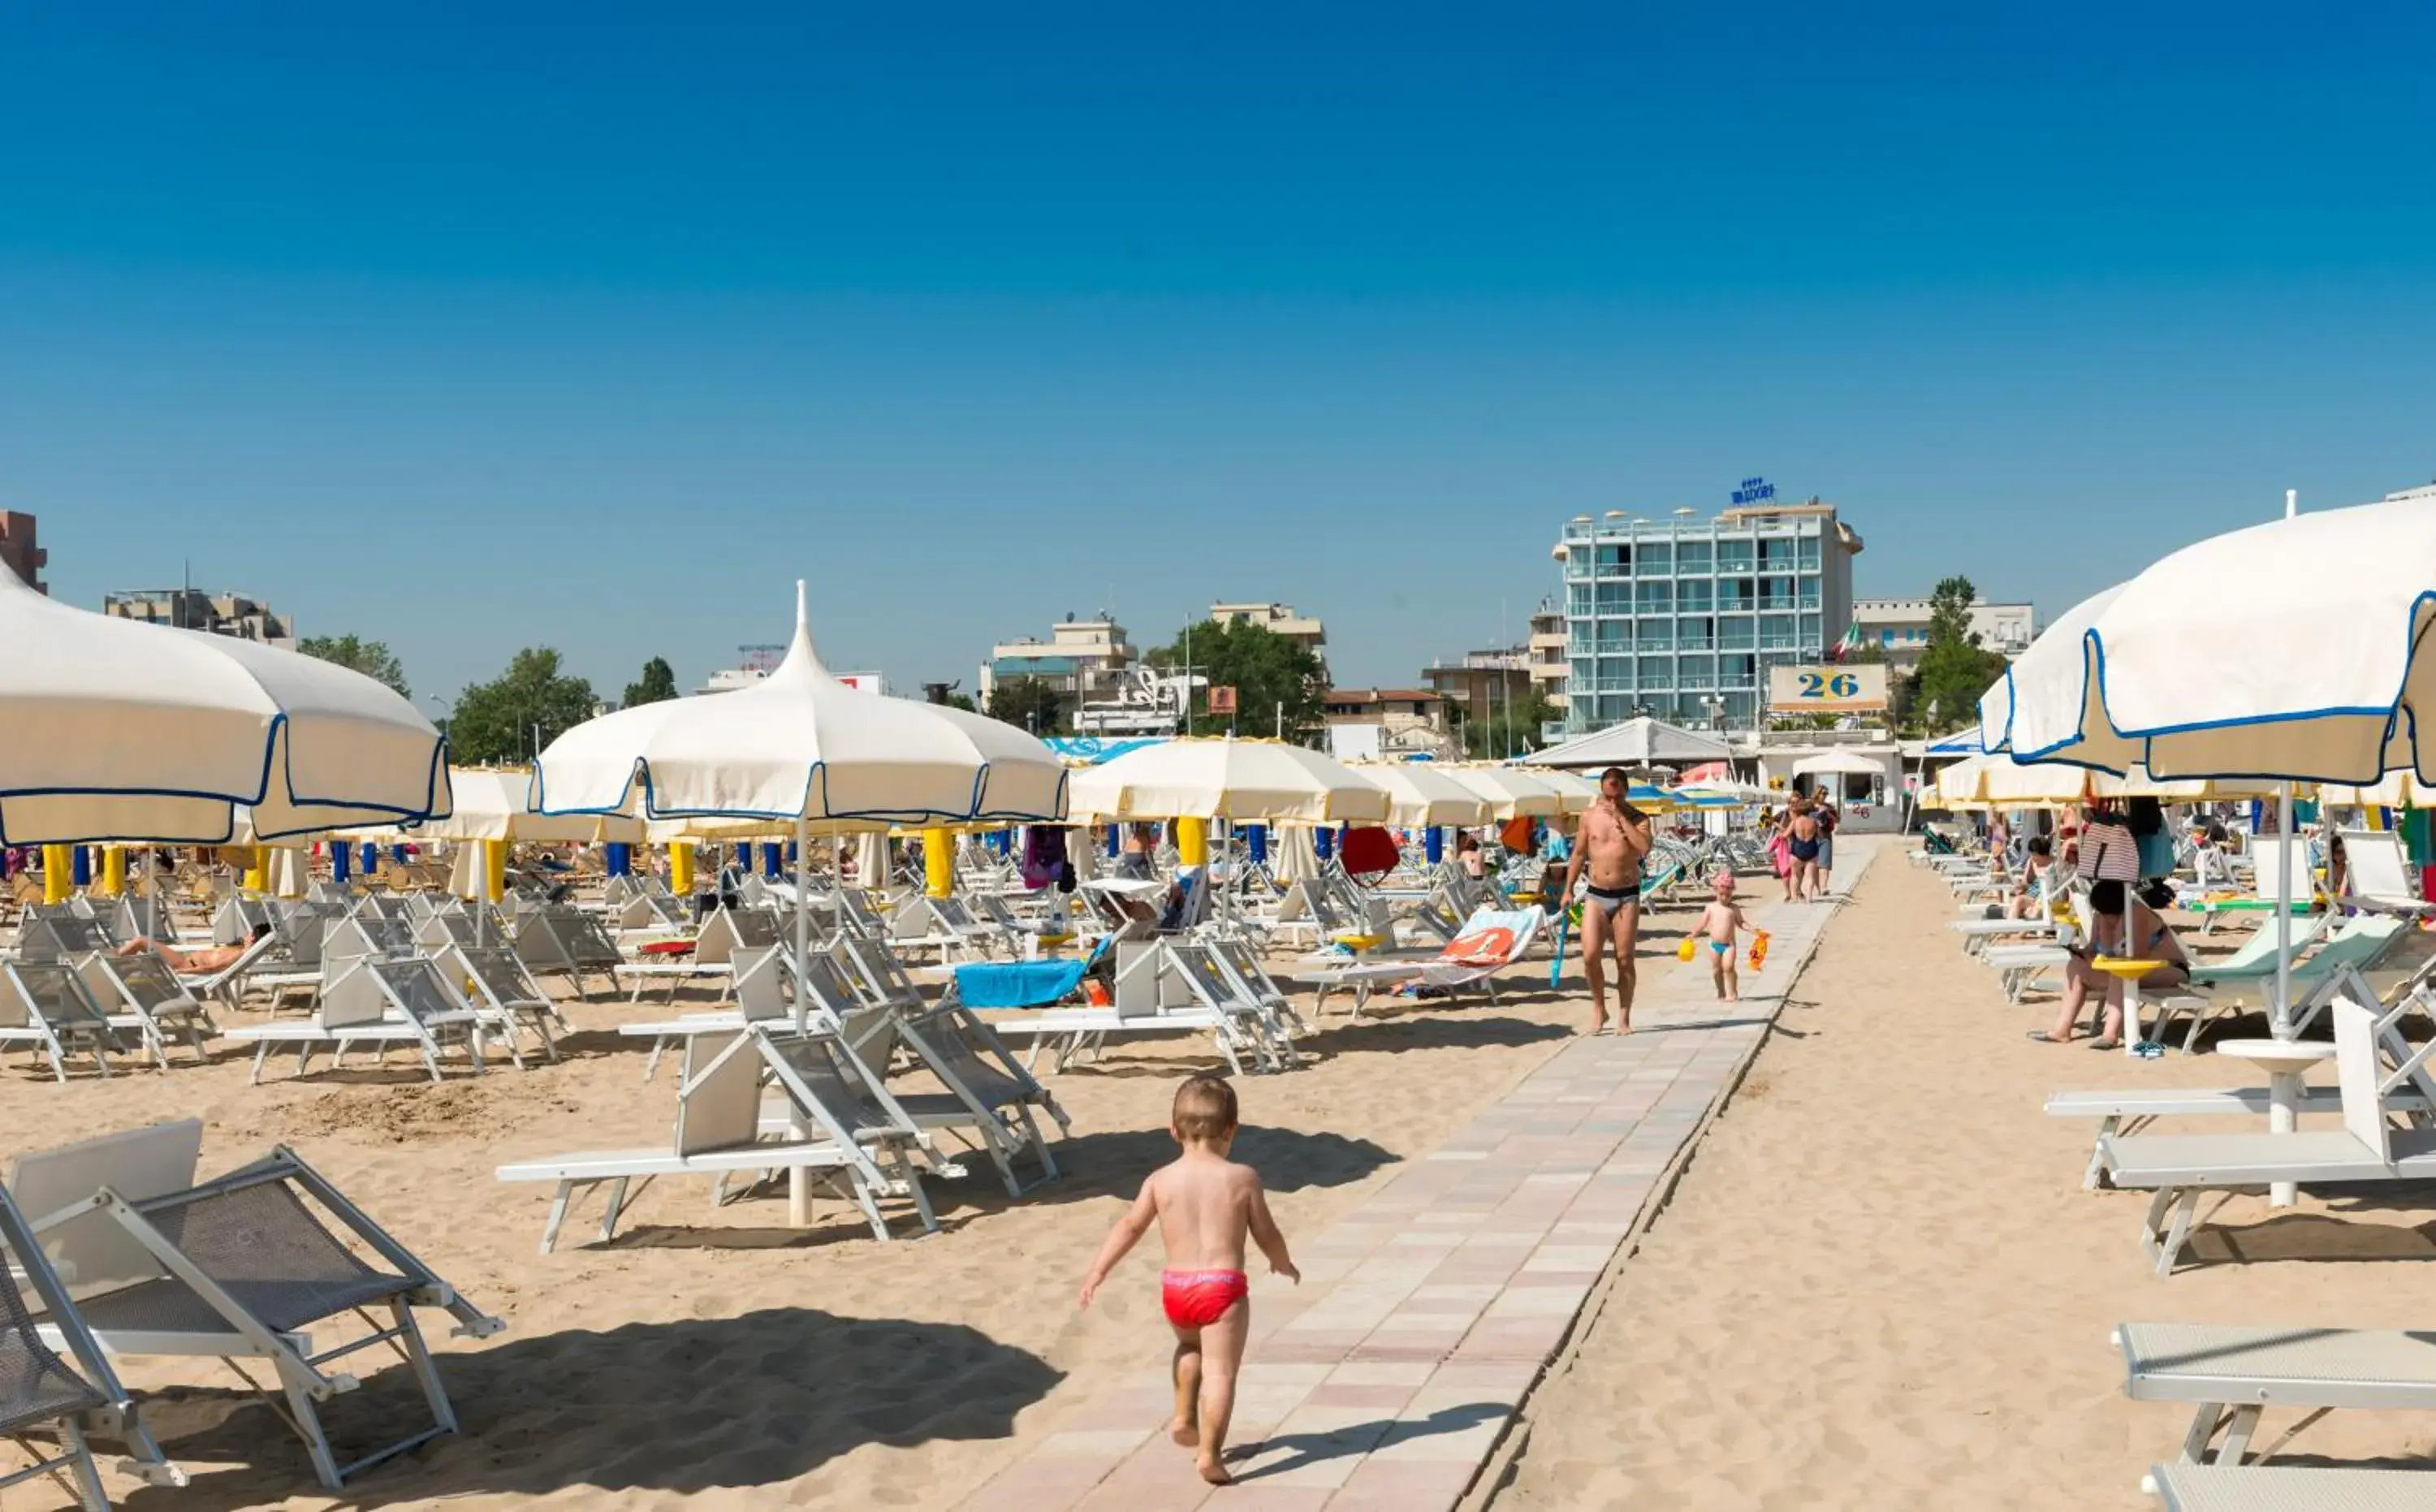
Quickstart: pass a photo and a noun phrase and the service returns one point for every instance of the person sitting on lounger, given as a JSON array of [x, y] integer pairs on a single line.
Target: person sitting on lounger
[[196, 962], [2037, 875], [2151, 940]]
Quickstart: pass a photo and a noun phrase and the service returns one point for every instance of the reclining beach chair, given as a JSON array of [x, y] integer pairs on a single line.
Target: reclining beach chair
[[2232, 1375], [2180, 1167], [1258, 1027], [384, 1003], [253, 1264], [718, 1133], [56, 934], [725, 933], [2188, 1488], [2266, 884], [52, 1408], [1491, 941], [761, 997], [2337, 965], [507, 1001], [44, 1007], [559, 939], [1240, 965], [2378, 878], [140, 994], [946, 924], [1154, 995]]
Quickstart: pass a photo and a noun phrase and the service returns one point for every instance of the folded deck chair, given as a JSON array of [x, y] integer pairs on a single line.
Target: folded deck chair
[[718, 1133], [1492, 938], [559, 939], [140, 994], [54, 1408], [45, 1008], [988, 1100], [254, 1264], [2232, 1375], [2378, 878], [1257, 1027], [385, 1004], [2180, 1167], [1242, 965], [2287, 1489], [944, 925]]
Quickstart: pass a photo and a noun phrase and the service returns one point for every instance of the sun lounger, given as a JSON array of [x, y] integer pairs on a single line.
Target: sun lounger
[[386, 1004], [54, 1408], [718, 1134], [228, 983], [2232, 1375], [506, 999], [724, 935], [1155, 993], [761, 997], [44, 1007], [2288, 1488], [1491, 941], [2127, 1111], [2249, 974], [249, 1265], [2179, 1169], [142, 996], [990, 1099], [559, 939]]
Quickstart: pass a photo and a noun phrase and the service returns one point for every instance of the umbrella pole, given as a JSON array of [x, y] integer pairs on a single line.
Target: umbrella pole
[[2281, 1024], [799, 1181]]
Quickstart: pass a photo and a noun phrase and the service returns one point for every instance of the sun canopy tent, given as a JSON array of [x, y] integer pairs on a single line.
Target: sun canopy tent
[[1838, 764], [112, 730], [491, 806], [1643, 742]]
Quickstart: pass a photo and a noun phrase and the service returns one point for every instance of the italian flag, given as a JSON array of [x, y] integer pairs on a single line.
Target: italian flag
[[1850, 643]]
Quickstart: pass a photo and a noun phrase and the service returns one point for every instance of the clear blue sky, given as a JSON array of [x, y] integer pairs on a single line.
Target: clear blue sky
[[469, 327]]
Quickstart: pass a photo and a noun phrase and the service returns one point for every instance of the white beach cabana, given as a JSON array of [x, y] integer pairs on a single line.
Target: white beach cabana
[[1239, 781], [1642, 744]]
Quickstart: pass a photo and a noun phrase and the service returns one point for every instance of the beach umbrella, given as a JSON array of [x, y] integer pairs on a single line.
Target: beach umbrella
[[1576, 793], [2318, 679], [1511, 794], [114, 730], [1839, 764], [1641, 742], [1242, 781], [803, 749], [1421, 797], [490, 805]]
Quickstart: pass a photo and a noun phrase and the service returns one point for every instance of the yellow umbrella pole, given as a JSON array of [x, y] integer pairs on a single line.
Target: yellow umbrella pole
[[494, 870], [1192, 842], [938, 862], [257, 879], [59, 878], [113, 870], [681, 867]]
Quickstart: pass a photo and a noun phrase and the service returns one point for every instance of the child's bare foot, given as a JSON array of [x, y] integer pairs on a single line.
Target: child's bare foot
[[1186, 1433], [1215, 1474]]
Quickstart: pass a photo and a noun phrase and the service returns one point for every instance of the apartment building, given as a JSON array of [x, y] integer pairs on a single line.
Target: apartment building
[[216, 613], [1085, 660], [1899, 627], [19, 553]]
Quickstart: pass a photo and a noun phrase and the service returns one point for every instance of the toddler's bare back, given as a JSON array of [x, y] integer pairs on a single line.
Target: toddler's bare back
[[1205, 1211]]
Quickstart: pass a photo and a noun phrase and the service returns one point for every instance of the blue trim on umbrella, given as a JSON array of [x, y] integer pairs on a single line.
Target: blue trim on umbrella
[[373, 812], [537, 801]]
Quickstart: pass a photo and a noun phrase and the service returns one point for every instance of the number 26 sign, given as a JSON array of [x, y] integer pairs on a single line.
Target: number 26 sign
[[1826, 689]]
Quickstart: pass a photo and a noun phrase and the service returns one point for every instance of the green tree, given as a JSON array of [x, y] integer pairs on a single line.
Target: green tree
[[1276, 680], [371, 657], [1955, 670], [495, 721], [658, 686], [1026, 703], [960, 700], [1506, 731]]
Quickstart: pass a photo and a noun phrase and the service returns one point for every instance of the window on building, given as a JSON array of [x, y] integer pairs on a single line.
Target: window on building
[[1692, 556]]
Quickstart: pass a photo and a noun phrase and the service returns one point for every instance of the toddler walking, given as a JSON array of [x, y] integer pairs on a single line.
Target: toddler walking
[[1206, 1206], [1719, 923]]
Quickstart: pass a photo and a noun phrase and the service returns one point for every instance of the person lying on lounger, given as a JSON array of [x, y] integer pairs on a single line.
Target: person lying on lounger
[[196, 962]]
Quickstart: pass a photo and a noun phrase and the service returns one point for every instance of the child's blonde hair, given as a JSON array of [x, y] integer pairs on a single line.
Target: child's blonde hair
[[1205, 1108]]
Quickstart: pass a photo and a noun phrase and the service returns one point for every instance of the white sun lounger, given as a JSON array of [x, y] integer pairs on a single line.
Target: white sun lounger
[[1153, 994], [44, 1007], [760, 988], [1492, 940], [718, 1134], [385, 1004], [2232, 1375], [141, 994], [246, 1266], [2288, 1488], [506, 999], [2180, 1167]]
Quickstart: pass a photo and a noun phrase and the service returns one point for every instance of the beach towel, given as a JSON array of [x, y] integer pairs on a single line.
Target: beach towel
[[1018, 983]]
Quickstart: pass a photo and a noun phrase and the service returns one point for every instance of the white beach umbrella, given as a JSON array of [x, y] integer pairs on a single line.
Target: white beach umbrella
[[1838, 763], [1419, 796], [490, 805], [1511, 794], [802, 747], [1575, 791], [2288, 650], [112, 730], [1243, 781]]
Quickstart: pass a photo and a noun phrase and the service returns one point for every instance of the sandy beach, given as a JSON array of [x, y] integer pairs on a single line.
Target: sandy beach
[[1880, 1285], [712, 1357]]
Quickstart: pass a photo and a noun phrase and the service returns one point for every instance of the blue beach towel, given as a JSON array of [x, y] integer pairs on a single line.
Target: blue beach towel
[[1018, 983]]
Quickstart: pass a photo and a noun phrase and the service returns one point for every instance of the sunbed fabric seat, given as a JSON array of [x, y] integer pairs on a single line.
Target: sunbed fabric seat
[[2290, 1488]]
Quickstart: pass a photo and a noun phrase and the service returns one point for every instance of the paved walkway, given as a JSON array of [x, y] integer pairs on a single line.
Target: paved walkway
[[1428, 1311]]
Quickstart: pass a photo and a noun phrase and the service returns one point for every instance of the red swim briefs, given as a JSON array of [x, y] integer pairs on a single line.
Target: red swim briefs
[[1196, 1299]]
